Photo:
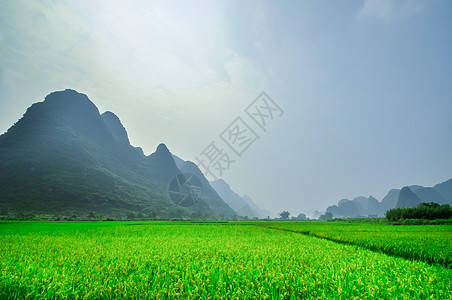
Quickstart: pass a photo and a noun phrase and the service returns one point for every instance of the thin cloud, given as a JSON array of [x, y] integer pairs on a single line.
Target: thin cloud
[[387, 10]]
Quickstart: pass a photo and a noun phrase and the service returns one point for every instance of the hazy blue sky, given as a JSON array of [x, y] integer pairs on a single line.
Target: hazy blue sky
[[366, 86]]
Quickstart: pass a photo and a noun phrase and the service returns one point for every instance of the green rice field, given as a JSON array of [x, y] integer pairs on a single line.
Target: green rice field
[[235, 260], [429, 243]]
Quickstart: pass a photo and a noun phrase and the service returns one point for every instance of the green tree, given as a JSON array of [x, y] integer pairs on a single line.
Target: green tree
[[93, 215], [301, 217], [131, 215], [285, 215], [326, 216], [4, 211], [428, 211]]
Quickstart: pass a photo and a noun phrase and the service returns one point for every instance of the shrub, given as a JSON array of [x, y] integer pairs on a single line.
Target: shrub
[[424, 211]]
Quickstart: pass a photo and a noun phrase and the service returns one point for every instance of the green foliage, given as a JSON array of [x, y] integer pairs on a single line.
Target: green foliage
[[360, 220], [423, 222], [326, 216], [428, 211], [301, 217], [162, 260], [4, 210], [285, 215]]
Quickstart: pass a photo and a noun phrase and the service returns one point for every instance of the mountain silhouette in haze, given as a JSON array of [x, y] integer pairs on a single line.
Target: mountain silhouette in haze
[[409, 196], [359, 206], [243, 206], [429, 194], [64, 157], [445, 190], [208, 191], [258, 211]]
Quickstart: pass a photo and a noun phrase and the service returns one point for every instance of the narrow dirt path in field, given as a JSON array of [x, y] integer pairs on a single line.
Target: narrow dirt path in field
[[370, 247]]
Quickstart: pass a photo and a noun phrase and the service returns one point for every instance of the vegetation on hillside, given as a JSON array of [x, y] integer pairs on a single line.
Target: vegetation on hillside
[[62, 158]]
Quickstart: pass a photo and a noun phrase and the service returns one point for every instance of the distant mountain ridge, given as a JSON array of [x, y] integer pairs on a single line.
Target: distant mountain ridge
[[409, 196], [243, 206], [64, 157], [260, 212], [208, 191]]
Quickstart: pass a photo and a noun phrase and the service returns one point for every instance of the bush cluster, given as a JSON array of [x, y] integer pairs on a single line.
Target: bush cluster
[[425, 211]]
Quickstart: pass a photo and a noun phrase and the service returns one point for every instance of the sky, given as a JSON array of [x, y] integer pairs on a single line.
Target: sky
[[358, 93]]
